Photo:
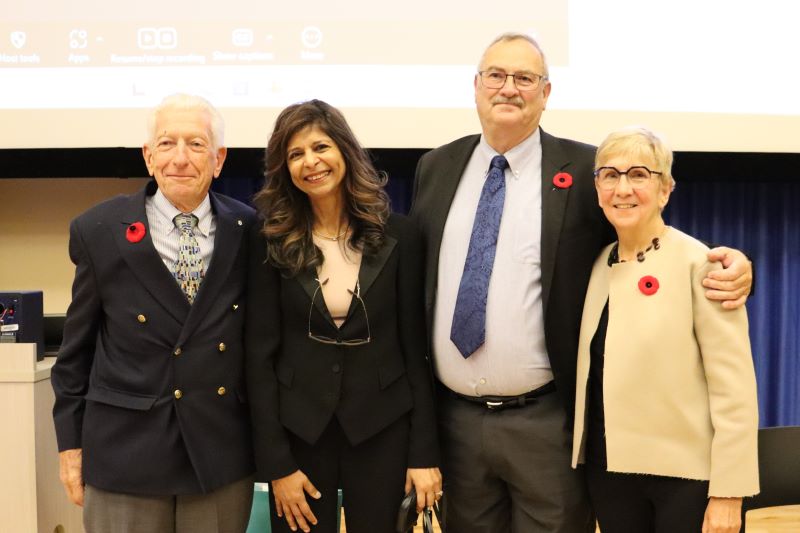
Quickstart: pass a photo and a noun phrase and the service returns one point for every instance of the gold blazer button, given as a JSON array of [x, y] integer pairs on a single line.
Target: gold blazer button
[[221, 391], [141, 318], [178, 394], [177, 351], [222, 347]]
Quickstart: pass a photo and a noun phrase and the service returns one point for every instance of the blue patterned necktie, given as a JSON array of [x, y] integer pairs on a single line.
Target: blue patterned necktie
[[188, 269], [468, 331]]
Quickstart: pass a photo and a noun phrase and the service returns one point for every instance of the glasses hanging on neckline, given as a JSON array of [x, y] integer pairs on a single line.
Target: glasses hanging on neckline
[[339, 342]]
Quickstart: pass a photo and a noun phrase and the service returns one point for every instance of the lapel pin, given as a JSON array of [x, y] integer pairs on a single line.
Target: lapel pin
[[563, 180], [648, 285], [135, 232]]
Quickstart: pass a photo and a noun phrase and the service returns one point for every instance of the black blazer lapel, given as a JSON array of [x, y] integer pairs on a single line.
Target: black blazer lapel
[[144, 261], [368, 272], [554, 203], [227, 242], [443, 189], [372, 266], [310, 283]]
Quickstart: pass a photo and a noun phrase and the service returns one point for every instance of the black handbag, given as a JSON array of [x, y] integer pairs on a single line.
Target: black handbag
[[407, 515]]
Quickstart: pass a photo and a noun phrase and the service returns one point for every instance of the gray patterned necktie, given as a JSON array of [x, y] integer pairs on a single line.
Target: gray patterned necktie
[[188, 269]]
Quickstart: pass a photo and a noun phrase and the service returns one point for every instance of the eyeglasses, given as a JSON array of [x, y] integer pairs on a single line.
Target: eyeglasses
[[607, 178], [339, 342], [524, 81]]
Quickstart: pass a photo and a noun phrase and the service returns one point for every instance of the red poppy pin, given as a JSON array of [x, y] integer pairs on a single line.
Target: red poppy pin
[[563, 180], [648, 285], [135, 232]]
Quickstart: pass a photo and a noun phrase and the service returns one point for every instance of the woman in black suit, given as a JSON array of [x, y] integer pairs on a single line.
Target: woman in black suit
[[340, 391]]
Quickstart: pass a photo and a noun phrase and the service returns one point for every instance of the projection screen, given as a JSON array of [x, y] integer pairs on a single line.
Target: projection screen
[[710, 75]]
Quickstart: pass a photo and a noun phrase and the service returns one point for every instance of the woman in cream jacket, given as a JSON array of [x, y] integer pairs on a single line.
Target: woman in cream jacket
[[666, 417]]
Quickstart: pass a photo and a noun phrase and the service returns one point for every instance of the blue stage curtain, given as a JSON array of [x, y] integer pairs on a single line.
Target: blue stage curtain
[[762, 219]]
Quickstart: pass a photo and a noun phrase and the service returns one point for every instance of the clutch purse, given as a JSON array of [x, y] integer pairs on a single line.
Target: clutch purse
[[407, 515]]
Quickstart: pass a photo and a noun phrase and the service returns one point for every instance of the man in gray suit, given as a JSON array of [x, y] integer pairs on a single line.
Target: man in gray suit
[[150, 414], [509, 254]]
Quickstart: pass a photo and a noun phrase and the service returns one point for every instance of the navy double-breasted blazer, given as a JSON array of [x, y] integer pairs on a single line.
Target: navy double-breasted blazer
[[149, 386]]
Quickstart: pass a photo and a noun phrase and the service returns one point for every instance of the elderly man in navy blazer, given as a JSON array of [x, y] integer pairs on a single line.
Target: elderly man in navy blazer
[[509, 254], [150, 410]]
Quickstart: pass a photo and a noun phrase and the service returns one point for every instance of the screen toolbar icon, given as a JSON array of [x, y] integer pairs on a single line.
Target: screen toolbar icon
[[157, 38], [311, 36], [242, 37], [78, 38], [18, 39]]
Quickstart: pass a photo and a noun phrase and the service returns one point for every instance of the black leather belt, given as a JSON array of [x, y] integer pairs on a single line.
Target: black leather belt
[[496, 403]]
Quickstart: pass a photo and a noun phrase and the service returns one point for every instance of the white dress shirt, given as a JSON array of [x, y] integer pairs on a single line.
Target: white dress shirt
[[166, 237], [513, 360]]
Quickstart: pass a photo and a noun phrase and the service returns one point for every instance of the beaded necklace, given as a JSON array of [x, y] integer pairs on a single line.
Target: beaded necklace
[[613, 256]]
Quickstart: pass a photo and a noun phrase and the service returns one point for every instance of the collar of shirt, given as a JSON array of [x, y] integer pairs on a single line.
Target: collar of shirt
[[519, 157], [167, 212]]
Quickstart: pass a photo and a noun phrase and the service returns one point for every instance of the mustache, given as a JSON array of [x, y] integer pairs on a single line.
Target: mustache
[[514, 100]]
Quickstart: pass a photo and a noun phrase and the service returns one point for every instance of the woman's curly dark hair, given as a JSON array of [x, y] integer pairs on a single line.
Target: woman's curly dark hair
[[286, 210]]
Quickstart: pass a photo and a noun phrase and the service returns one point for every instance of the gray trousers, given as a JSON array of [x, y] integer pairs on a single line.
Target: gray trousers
[[508, 471], [225, 510]]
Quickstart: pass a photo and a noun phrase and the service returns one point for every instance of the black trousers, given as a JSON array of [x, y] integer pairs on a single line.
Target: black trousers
[[371, 474], [638, 503]]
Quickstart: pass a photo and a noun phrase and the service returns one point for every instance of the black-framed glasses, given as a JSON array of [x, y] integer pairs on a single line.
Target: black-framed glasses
[[607, 178], [524, 81], [339, 342]]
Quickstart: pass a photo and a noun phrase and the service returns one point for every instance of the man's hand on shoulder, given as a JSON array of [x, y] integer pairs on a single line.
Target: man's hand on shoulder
[[732, 284], [69, 471]]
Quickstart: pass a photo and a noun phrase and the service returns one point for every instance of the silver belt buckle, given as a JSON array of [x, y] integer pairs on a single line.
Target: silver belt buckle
[[493, 405]]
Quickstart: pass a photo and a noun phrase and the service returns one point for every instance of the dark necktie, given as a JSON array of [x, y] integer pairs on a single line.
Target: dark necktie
[[468, 331], [188, 269]]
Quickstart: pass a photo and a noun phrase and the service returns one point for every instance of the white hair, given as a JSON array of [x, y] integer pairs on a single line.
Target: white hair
[[188, 101]]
